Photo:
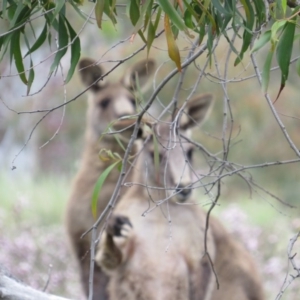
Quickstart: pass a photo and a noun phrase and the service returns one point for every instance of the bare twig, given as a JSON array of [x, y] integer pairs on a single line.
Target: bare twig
[[275, 114], [63, 114], [291, 261]]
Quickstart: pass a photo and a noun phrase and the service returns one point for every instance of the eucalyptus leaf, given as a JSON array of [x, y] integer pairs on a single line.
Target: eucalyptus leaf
[[62, 43], [16, 53], [284, 50], [266, 71], [39, 42], [262, 41], [75, 51], [99, 184]]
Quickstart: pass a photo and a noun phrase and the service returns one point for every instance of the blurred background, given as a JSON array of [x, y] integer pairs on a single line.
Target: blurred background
[[35, 179]]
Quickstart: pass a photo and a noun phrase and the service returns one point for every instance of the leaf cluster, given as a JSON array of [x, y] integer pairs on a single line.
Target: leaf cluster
[[19, 15], [205, 19], [280, 39]]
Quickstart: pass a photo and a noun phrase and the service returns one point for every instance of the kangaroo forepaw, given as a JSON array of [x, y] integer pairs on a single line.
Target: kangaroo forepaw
[[119, 226]]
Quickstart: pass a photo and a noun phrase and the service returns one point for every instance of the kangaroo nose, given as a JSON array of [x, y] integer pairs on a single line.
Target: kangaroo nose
[[183, 193]]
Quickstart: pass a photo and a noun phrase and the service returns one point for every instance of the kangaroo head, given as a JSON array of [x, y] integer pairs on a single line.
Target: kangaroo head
[[168, 155], [110, 101]]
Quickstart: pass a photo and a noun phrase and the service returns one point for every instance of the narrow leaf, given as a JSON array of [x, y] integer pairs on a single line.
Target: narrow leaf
[[139, 22], [16, 14], [98, 186], [284, 5], [134, 12], [75, 51], [99, 9], [284, 51], [171, 12], [58, 7], [30, 77], [262, 41], [3, 13], [221, 8], [16, 51], [275, 27], [266, 71], [39, 42], [150, 37], [172, 47], [248, 25], [62, 43]]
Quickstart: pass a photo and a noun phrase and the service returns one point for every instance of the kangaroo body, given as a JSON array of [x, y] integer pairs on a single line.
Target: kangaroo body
[[107, 102], [236, 270], [160, 255], [153, 245]]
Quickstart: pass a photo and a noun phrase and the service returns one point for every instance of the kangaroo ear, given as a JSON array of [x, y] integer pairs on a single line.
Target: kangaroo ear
[[139, 75], [90, 72], [196, 110]]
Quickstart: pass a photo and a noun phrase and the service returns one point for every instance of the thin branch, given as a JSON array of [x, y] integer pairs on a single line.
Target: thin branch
[[291, 260], [275, 114], [63, 114], [13, 289]]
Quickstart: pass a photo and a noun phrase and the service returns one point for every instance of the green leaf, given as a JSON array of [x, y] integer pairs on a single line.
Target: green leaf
[[79, 12], [148, 15], [157, 18], [248, 26], [150, 36], [62, 42], [3, 12], [99, 9], [284, 5], [16, 53], [220, 8], [75, 51], [16, 14], [172, 47], [152, 30], [59, 4], [52, 22], [275, 27], [263, 40], [173, 15], [266, 71], [134, 12], [110, 11], [260, 12], [188, 19], [284, 50], [139, 22], [39, 42], [30, 77], [98, 186]]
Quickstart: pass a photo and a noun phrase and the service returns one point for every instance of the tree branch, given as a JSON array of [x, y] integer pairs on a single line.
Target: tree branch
[[13, 289]]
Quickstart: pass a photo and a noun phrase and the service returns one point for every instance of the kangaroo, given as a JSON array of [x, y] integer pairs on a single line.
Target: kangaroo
[[106, 102], [153, 247], [237, 273]]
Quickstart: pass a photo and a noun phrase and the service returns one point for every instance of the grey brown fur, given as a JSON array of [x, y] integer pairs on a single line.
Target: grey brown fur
[[160, 255], [106, 102], [154, 249]]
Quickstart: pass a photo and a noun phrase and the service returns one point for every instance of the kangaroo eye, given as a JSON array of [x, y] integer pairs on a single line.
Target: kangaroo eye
[[189, 154], [133, 102], [104, 103]]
